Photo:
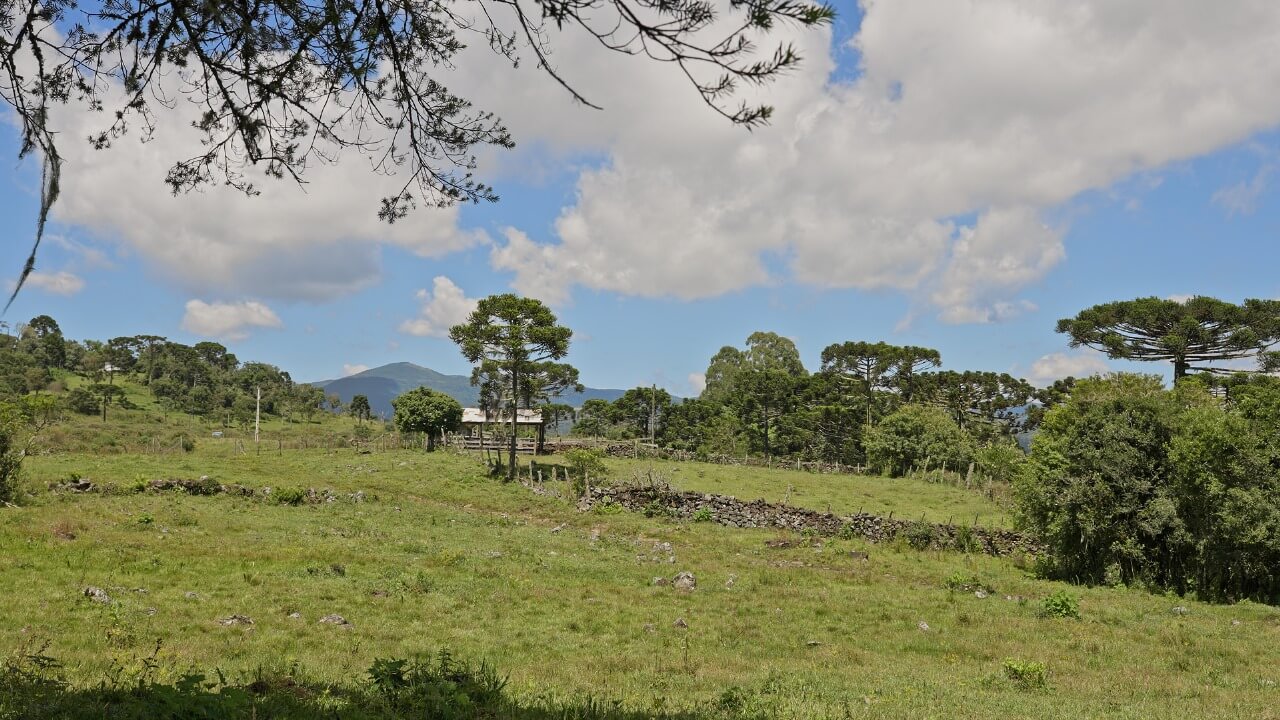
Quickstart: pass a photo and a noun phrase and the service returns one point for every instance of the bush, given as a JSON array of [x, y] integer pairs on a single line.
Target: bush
[[82, 401], [584, 463], [918, 535], [1060, 605], [1000, 462], [289, 496], [702, 515], [1028, 675], [962, 581], [1130, 483], [913, 434]]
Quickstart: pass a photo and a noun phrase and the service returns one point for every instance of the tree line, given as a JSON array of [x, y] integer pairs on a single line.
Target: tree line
[[855, 409], [204, 379]]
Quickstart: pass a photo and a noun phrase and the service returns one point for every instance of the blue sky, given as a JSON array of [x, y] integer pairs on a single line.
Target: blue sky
[[1117, 203]]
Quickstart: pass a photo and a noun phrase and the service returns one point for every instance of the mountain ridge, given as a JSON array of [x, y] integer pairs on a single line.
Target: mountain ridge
[[385, 382]]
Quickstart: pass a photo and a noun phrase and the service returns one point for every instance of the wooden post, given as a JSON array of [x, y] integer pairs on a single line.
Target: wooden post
[[257, 414]]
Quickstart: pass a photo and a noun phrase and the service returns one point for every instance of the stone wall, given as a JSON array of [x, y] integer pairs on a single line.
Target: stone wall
[[730, 511]]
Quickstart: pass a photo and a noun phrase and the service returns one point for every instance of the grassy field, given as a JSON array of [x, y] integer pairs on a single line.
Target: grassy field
[[442, 556], [842, 494]]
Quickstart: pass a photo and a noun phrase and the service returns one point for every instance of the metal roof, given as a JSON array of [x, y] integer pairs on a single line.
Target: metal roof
[[523, 417]]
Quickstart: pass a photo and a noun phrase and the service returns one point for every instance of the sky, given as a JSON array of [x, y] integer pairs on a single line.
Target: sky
[[958, 175]]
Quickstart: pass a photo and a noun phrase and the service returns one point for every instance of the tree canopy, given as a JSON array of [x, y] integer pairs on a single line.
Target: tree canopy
[[1191, 334], [515, 344], [284, 84], [426, 411]]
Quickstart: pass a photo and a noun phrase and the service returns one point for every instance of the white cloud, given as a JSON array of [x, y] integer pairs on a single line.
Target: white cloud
[[1005, 250], [987, 108], [349, 369], [698, 381], [228, 321], [1001, 109], [58, 283], [317, 241], [1180, 298], [1242, 198], [443, 307], [1060, 365]]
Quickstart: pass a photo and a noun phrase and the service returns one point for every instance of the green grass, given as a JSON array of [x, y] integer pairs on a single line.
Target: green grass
[[446, 557], [910, 498]]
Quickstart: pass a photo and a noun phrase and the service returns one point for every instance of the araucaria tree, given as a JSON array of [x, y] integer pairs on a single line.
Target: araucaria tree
[[1191, 334], [427, 411], [516, 344], [283, 84]]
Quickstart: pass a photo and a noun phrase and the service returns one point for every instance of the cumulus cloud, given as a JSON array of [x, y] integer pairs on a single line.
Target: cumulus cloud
[[442, 308], [316, 241], [1056, 366], [58, 283], [228, 321], [1005, 250], [350, 369], [994, 109], [999, 109]]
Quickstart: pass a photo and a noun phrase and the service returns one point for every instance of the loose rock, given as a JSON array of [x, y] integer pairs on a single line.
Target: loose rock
[[1179, 610], [97, 595], [660, 581], [191, 595], [924, 626], [680, 624], [729, 583], [236, 620], [684, 581], [980, 594], [334, 619]]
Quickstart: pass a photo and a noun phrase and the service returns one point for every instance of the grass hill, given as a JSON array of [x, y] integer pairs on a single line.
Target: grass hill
[[440, 556], [381, 384]]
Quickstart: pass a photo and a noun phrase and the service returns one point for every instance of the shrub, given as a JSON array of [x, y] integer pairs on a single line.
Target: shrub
[[1060, 605], [913, 434], [918, 535], [1000, 462], [1029, 675], [1131, 483], [289, 496], [82, 401], [584, 462], [702, 515], [962, 581]]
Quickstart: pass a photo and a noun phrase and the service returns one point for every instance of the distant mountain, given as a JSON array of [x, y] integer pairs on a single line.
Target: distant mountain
[[381, 384]]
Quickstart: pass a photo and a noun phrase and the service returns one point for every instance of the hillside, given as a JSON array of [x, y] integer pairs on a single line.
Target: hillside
[[286, 608], [381, 384]]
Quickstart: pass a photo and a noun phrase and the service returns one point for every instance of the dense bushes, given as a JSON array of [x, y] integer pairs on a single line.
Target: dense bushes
[[915, 435], [1174, 489]]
